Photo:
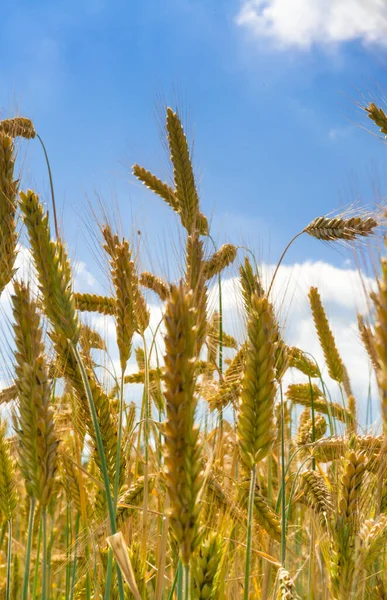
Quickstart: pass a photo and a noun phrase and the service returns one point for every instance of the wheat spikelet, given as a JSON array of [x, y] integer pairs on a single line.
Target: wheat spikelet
[[373, 534], [303, 393], [8, 394], [8, 493], [299, 360], [8, 192], [181, 445], [305, 430], [157, 186], [327, 341], [156, 284], [195, 281], [317, 495], [285, 586], [132, 497], [219, 260], [94, 303], [53, 268], [329, 449], [378, 116], [256, 427], [250, 283], [185, 188], [351, 480], [368, 340], [89, 338], [122, 272], [207, 564], [18, 127], [339, 228], [35, 421]]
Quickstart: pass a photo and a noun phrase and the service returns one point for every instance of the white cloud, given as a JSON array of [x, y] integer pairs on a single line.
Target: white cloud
[[304, 23]]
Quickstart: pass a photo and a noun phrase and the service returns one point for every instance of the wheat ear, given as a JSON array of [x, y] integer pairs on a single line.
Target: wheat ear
[[8, 192], [183, 466], [18, 127], [378, 116], [340, 228], [256, 426], [35, 421], [53, 268], [219, 260]]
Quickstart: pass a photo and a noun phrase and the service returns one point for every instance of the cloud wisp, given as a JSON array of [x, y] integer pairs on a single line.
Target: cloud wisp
[[301, 24]]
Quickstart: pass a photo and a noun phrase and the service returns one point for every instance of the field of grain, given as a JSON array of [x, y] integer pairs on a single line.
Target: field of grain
[[223, 483]]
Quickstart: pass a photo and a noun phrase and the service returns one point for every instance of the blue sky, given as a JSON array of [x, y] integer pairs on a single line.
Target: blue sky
[[276, 128], [269, 97]]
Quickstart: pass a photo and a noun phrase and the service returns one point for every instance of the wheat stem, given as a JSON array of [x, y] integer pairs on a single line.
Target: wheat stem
[[249, 532], [9, 557], [28, 549], [44, 561], [51, 186]]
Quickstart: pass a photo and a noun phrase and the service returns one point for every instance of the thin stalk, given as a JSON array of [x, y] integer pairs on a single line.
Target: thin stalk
[[9, 555], [44, 561], [281, 259], [146, 452], [283, 467], [37, 561], [68, 536], [109, 575], [74, 569], [28, 549], [249, 533], [170, 595], [49, 553], [186, 575], [51, 186], [180, 595]]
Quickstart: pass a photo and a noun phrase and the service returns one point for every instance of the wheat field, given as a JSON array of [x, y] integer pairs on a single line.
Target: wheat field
[[222, 482]]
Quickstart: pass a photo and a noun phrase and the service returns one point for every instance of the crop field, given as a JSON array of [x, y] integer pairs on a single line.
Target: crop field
[[222, 481]]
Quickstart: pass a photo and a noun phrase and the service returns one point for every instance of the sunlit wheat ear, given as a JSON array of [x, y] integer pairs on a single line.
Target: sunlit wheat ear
[[380, 301], [378, 116], [285, 586], [250, 283], [350, 485], [157, 186], [306, 428], [18, 127], [317, 495], [305, 394], [8, 493], [185, 186], [325, 336], [219, 260], [195, 280], [122, 273], [52, 267], [368, 339], [256, 423], [8, 193], [35, 420], [299, 360], [156, 284], [339, 228], [181, 449], [207, 564], [94, 303]]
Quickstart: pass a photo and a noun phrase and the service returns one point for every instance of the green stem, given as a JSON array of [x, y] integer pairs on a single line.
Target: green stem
[[44, 562], [186, 575], [51, 186], [74, 569], [68, 535], [249, 532], [175, 580], [281, 259], [109, 575], [28, 549], [283, 467], [9, 555], [37, 561], [180, 581]]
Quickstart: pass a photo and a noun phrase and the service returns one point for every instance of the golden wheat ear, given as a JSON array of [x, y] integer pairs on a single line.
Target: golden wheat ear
[[8, 205], [378, 116], [18, 127]]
